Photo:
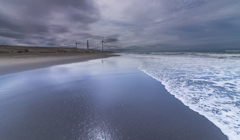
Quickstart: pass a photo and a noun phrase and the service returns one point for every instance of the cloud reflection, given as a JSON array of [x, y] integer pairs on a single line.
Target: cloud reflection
[[101, 132]]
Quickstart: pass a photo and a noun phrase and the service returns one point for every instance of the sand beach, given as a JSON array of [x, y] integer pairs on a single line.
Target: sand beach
[[21, 58], [105, 98], [119, 70]]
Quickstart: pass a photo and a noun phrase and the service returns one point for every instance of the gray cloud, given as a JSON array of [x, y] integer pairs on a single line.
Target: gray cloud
[[10, 34], [111, 40], [26, 19], [141, 25], [89, 36]]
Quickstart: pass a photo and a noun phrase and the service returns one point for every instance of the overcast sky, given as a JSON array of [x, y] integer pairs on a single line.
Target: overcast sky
[[129, 25]]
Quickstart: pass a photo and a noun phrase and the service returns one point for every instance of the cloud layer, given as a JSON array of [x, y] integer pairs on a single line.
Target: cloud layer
[[130, 25]]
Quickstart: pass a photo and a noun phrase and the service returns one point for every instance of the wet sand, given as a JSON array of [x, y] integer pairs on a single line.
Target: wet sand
[[13, 65], [99, 99]]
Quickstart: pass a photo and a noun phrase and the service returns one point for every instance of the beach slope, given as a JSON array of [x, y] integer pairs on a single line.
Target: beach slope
[[19, 58]]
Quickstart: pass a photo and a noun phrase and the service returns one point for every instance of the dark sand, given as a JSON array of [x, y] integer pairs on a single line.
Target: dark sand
[[106, 99]]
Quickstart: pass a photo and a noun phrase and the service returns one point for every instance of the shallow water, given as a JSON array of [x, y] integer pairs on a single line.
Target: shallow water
[[98, 99], [209, 83]]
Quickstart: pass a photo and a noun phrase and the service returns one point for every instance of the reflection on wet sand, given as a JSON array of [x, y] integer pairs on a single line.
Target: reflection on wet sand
[[100, 100]]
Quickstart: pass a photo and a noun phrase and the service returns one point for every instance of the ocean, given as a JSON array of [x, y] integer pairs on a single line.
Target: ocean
[[206, 82]]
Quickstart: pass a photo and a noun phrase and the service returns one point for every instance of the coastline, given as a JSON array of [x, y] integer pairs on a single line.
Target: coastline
[[14, 65], [194, 78], [115, 102], [17, 59]]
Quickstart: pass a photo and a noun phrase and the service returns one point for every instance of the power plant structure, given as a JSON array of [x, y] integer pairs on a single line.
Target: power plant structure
[[87, 45], [102, 43]]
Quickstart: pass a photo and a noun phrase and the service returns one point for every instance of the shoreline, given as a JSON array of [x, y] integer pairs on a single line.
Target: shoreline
[[15, 59], [115, 102], [19, 63]]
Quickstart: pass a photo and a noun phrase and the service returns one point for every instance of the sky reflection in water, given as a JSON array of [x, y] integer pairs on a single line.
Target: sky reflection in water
[[76, 90], [98, 99]]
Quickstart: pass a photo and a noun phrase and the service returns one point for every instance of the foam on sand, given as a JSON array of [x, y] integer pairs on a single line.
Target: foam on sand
[[207, 83]]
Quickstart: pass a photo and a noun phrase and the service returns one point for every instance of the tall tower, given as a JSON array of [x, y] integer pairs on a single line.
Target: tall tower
[[87, 45], [76, 43], [102, 43]]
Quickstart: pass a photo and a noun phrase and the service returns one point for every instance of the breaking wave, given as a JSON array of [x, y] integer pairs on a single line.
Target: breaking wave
[[208, 83]]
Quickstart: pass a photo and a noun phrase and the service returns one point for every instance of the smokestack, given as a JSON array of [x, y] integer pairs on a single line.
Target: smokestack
[[87, 45]]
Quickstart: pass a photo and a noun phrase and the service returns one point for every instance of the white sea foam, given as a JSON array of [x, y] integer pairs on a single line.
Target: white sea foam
[[209, 83]]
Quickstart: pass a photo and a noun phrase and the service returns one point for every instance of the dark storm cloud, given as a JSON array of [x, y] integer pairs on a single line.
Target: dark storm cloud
[[59, 29], [9, 34], [108, 40], [141, 25], [88, 36], [211, 32], [83, 10], [192, 25], [46, 18], [22, 25]]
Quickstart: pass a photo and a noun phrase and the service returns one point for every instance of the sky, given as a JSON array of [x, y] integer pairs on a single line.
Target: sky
[[126, 25]]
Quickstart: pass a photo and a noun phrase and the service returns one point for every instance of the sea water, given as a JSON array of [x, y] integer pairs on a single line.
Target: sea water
[[208, 83]]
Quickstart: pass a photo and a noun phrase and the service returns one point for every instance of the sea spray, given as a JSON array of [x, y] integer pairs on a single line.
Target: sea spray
[[208, 83]]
